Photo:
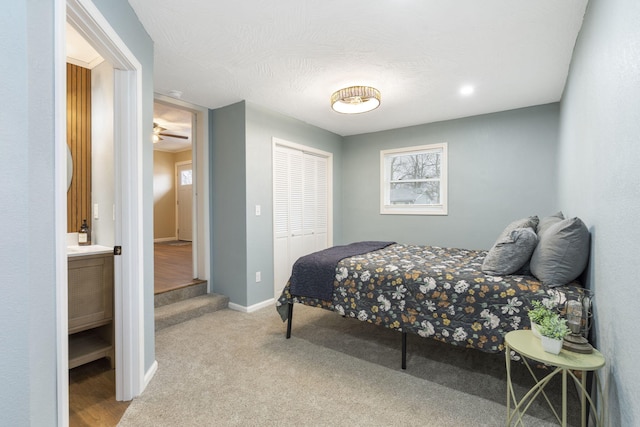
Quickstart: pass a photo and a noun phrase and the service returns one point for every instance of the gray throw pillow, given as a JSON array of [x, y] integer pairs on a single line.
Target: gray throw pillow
[[529, 222], [562, 252], [547, 222], [509, 254]]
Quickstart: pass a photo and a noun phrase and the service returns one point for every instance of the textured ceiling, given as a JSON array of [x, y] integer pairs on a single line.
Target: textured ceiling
[[174, 120], [290, 55], [79, 51]]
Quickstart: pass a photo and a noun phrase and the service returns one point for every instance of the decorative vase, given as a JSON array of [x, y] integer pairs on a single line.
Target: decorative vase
[[535, 328], [551, 345]]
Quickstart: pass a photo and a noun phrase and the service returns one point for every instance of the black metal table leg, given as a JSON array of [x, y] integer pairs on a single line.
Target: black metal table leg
[[404, 350], [289, 319]]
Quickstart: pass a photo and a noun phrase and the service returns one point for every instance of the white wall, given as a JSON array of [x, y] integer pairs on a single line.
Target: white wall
[[102, 163], [599, 176]]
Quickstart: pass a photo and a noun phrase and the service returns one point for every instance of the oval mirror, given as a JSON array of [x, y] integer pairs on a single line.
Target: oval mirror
[[69, 168]]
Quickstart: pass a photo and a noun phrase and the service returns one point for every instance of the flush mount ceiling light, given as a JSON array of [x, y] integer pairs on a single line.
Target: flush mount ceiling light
[[355, 99]]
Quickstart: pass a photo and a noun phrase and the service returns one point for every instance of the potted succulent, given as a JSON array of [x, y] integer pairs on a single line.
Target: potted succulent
[[553, 330], [537, 314]]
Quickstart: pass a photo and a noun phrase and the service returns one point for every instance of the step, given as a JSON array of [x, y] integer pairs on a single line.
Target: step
[[187, 291], [181, 311]]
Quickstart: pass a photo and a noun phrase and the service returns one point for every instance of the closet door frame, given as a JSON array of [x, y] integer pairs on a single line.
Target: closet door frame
[[277, 142]]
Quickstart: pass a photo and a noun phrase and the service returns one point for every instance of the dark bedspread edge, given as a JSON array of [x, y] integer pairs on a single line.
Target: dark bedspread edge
[[312, 275]]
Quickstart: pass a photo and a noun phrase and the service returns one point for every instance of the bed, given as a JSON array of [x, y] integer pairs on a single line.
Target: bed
[[433, 292]]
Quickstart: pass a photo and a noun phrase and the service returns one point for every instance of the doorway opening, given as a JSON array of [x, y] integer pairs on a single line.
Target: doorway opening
[[128, 270], [180, 200], [90, 200], [173, 186]]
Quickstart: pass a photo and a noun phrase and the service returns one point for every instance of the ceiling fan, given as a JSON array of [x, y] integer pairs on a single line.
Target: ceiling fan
[[159, 131]]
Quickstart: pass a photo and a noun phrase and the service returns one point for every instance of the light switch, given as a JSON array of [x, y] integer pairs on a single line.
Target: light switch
[[258, 210], [95, 211]]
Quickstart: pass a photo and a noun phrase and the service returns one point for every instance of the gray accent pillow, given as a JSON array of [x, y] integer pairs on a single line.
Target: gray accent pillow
[[509, 254], [529, 222], [547, 222], [562, 252]]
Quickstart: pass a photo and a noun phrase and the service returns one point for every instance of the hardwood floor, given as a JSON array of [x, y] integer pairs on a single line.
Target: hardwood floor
[[173, 266], [92, 387], [92, 396]]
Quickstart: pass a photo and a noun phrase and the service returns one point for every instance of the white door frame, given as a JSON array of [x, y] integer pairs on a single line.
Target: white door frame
[[200, 162], [128, 268]]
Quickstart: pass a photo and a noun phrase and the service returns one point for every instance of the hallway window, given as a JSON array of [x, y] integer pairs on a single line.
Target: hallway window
[[185, 177]]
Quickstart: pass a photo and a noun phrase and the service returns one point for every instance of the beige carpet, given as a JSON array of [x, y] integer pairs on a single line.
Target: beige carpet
[[236, 369]]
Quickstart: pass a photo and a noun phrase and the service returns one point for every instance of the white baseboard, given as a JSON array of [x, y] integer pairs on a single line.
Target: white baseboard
[[149, 375], [165, 239], [252, 308]]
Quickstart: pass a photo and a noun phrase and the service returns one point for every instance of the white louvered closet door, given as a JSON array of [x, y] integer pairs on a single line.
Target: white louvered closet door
[[300, 209], [315, 204]]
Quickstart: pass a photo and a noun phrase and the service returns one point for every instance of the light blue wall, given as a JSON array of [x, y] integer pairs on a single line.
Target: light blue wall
[[27, 255], [27, 262], [599, 181], [241, 165], [262, 126], [125, 22], [228, 202], [501, 168]]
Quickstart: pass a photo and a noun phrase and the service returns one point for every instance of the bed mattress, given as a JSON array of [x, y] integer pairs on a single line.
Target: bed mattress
[[430, 291]]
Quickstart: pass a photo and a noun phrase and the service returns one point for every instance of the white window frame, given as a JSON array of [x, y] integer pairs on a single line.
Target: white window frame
[[386, 208]]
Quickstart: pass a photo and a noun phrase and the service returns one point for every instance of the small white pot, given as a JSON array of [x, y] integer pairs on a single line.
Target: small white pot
[[535, 329], [551, 345]]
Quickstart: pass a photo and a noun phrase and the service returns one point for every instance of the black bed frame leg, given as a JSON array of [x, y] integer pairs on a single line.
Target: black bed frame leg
[[404, 350], [289, 319]]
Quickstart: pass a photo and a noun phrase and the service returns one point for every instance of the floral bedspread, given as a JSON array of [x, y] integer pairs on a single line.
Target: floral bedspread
[[430, 291]]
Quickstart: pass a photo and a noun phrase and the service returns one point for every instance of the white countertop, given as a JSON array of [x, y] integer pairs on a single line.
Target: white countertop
[[76, 250]]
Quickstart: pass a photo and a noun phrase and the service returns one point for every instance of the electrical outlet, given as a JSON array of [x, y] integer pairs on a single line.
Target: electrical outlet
[[258, 276], [258, 210], [95, 211]]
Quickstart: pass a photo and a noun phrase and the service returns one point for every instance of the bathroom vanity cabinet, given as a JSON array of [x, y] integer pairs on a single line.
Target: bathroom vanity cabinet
[[91, 335]]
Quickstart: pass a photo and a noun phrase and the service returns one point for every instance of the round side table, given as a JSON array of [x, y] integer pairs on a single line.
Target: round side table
[[524, 343]]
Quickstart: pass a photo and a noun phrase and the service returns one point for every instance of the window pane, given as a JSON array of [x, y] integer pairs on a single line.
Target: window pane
[[415, 193], [415, 166], [414, 180], [185, 177]]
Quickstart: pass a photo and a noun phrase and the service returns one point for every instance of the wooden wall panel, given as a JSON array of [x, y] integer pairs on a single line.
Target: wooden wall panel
[[79, 141]]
